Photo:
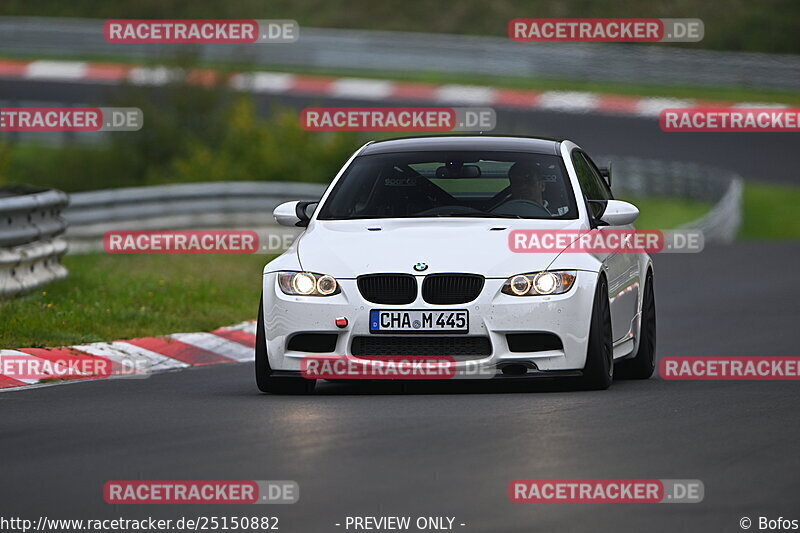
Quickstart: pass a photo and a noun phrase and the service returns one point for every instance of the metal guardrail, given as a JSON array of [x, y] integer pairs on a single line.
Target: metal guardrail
[[422, 52], [182, 206], [250, 204], [722, 223], [30, 243], [653, 178]]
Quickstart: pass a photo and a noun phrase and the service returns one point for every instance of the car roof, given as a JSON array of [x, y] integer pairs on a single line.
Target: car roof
[[435, 143]]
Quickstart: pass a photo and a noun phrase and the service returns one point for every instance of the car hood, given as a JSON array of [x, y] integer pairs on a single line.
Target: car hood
[[350, 248]]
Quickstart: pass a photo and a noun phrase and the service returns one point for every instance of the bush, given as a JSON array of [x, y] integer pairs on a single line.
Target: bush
[[252, 149], [193, 133]]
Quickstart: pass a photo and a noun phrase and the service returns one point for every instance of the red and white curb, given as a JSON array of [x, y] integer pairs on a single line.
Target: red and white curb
[[149, 355], [357, 88]]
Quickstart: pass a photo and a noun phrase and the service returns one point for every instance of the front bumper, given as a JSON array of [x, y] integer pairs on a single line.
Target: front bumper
[[492, 315]]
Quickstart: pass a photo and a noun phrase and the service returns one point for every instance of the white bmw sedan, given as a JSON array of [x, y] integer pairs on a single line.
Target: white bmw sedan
[[409, 253]]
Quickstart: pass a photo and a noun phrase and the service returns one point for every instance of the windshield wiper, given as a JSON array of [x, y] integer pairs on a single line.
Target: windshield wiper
[[484, 215]]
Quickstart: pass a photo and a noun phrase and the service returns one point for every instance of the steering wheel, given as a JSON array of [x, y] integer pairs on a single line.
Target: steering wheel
[[499, 199], [521, 207], [449, 210]]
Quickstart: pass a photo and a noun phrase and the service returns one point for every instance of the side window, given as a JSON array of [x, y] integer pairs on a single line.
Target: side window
[[591, 182], [603, 185]]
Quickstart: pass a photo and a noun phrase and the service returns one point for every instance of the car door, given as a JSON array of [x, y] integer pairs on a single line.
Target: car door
[[622, 269]]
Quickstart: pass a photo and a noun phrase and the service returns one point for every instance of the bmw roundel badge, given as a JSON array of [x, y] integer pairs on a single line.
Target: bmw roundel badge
[[421, 267]]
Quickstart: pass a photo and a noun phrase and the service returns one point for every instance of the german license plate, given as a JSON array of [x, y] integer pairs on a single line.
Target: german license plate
[[450, 320]]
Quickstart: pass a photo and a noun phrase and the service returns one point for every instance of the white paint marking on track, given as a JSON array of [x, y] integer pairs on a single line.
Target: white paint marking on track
[[57, 70], [367, 89], [465, 94], [361, 88], [218, 345], [20, 356], [652, 107], [248, 326], [152, 76], [263, 82], [130, 356], [572, 101]]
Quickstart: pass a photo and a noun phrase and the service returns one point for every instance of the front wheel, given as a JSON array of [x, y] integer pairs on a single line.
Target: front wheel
[[642, 365], [265, 381], [598, 372]]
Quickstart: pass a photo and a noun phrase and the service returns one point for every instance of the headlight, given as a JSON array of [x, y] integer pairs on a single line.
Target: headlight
[[540, 283], [307, 284]]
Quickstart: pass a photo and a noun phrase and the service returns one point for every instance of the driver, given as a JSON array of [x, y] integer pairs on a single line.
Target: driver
[[526, 182]]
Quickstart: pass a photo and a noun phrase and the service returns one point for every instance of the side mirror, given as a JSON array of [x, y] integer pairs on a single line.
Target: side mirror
[[606, 173], [619, 213], [294, 213]]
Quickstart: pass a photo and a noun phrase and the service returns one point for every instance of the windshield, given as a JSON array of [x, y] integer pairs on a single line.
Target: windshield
[[452, 184]]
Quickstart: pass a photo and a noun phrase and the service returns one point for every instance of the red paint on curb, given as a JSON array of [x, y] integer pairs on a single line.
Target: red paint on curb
[[617, 103], [107, 71], [181, 351], [69, 357], [236, 335], [7, 382], [516, 98], [413, 91], [312, 84], [13, 68]]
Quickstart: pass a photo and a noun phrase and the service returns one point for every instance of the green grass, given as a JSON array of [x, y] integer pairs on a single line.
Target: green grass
[[770, 212], [666, 213], [73, 169], [109, 297]]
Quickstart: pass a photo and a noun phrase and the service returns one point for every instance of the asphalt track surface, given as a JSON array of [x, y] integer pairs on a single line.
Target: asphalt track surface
[[446, 449], [451, 450]]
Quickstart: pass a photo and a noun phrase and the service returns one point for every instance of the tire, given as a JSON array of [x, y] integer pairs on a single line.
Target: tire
[[598, 372], [642, 365], [265, 381]]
